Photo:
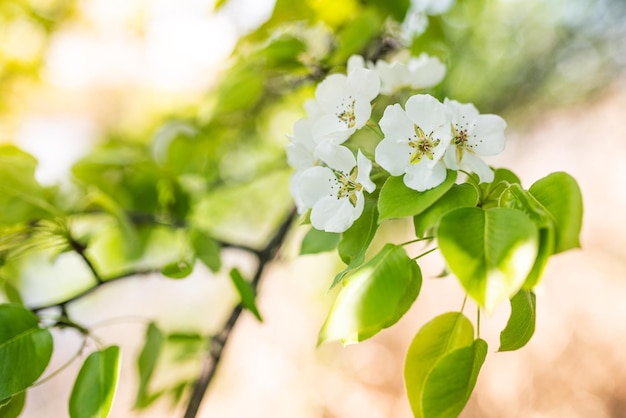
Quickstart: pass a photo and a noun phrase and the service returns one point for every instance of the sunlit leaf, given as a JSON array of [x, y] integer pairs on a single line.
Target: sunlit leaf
[[316, 241], [460, 195], [206, 249], [397, 200], [502, 179], [491, 252], [373, 297], [521, 325], [246, 293], [452, 380], [177, 269], [560, 195], [355, 36], [357, 239], [92, 394], [25, 349], [146, 362], [12, 407], [517, 198], [21, 198], [434, 340]]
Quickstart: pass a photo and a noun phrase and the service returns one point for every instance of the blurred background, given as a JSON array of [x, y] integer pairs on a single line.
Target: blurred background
[[181, 108]]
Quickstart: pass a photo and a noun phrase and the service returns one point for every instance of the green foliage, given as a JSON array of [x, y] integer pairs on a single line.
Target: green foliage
[[24, 347], [177, 269], [431, 344], [373, 297], [452, 380], [490, 251], [12, 407], [246, 292], [357, 239], [146, 363], [397, 200], [459, 196], [560, 195], [95, 385], [206, 249], [521, 325], [22, 199], [316, 241]]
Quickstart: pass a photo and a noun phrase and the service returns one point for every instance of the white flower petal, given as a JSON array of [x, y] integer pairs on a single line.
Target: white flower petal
[[313, 184], [487, 137], [299, 156], [478, 166], [364, 166], [450, 158], [312, 108], [362, 112], [294, 189], [460, 113], [336, 215], [395, 124], [364, 83], [426, 112], [392, 75], [393, 155], [425, 71], [331, 91], [422, 177], [354, 62], [336, 157], [331, 128]]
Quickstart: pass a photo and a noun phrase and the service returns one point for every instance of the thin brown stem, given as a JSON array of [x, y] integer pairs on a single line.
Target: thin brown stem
[[218, 342]]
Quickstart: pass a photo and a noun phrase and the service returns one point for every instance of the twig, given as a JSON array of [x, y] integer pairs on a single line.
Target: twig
[[218, 342]]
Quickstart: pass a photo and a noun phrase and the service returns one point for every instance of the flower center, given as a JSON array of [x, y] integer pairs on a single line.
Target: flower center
[[460, 138], [423, 145], [348, 186], [346, 112]]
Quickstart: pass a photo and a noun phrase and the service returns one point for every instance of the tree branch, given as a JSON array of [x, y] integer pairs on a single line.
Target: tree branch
[[218, 342]]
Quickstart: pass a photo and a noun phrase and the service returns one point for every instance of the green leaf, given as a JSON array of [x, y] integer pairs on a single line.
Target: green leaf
[[460, 195], [517, 198], [146, 362], [434, 340], [373, 297], [452, 380], [95, 385], [397, 200], [12, 294], [24, 347], [21, 198], [355, 36], [246, 293], [316, 241], [521, 325], [357, 239], [491, 192], [206, 249], [13, 407], [177, 269], [395, 8], [491, 252], [560, 195]]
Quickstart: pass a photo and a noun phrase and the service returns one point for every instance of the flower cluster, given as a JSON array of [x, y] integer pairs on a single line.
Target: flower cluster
[[420, 141]]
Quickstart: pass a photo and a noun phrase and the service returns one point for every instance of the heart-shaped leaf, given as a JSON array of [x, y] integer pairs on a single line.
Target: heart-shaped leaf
[[373, 297], [490, 251]]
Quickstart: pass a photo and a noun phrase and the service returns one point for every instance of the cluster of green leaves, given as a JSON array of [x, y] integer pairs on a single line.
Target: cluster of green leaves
[[495, 238], [164, 201]]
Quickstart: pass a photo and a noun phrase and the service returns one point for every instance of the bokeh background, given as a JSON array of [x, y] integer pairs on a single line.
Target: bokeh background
[[80, 75]]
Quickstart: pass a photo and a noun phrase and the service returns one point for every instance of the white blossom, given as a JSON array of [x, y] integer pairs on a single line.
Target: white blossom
[[344, 102], [414, 141], [334, 191], [473, 135], [419, 72]]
